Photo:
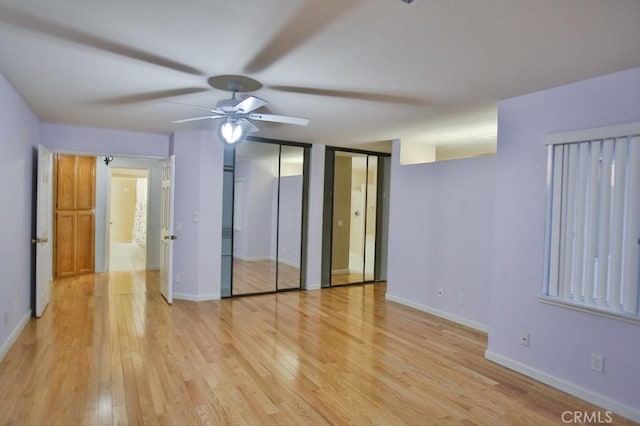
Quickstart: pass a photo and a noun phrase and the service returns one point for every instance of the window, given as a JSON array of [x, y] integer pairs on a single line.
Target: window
[[593, 220]]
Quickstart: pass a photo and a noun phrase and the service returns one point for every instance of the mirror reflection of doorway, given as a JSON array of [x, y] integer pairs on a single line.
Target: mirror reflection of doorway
[[128, 214], [353, 250]]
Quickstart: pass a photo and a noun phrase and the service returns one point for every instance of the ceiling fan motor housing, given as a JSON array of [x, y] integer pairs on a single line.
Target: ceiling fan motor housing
[[228, 105]]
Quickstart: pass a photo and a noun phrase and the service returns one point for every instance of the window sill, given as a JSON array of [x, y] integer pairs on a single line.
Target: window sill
[[589, 309]]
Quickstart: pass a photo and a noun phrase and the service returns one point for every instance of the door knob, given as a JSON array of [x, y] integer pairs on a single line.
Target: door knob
[[39, 240]]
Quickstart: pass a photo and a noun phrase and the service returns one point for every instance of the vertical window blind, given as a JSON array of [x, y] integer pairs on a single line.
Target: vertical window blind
[[593, 219]]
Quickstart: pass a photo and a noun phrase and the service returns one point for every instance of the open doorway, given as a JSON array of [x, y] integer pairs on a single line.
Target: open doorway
[[128, 217]]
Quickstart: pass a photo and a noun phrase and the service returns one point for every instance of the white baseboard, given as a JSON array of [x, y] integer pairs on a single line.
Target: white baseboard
[[262, 259], [310, 287], [340, 271], [14, 334], [251, 259], [196, 297], [442, 314], [632, 413], [286, 262]]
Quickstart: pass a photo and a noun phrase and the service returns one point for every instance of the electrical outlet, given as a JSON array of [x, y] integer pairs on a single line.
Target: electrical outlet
[[597, 363], [440, 292], [524, 338], [178, 278], [6, 318], [460, 299]]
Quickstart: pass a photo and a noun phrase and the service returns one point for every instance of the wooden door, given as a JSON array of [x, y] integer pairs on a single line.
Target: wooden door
[[74, 215]]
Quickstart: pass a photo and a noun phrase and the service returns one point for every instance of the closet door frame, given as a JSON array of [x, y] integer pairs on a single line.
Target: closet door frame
[[303, 211], [327, 223]]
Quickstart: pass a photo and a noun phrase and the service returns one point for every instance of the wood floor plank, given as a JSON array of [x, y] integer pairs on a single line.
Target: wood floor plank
[[110, 351]]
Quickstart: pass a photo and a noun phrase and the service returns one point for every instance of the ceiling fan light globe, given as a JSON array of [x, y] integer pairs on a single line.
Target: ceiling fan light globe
[[231, 132]]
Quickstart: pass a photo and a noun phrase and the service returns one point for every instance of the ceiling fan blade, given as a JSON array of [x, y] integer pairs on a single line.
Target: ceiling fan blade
[[186, 120], [349, 94], [36, 24], [286, 119], [311, 18], [215, 110], [248, 126], [250, 104], [151, 96]]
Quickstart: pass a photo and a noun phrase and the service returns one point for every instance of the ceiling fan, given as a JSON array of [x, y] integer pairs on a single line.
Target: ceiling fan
[[238, 115]]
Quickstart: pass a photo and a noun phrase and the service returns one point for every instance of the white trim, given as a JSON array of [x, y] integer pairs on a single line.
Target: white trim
[[196, 297], [550, 300], [288, 263], [627, 411], [609, 132], [262, 259], [310, 287], [251, 259], [437, 312], [4, 349]]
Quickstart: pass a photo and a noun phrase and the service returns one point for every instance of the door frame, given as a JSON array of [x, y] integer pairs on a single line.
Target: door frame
[[99, 157]]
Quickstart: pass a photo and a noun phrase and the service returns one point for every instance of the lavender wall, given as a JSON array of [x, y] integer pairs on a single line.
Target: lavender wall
[[89, 140], [315, 210], [562, 340], [440, 237], [197, 215], [19, 137]]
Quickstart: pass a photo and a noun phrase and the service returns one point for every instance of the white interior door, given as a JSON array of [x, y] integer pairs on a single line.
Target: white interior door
[[166, 229], [44, 237]]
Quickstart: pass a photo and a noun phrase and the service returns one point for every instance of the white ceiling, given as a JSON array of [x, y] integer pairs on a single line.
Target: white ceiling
[[363, 71]]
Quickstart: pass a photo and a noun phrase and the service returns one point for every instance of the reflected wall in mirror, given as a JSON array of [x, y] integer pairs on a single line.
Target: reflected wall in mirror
[[290, 217], [255, 215], [370, 218]]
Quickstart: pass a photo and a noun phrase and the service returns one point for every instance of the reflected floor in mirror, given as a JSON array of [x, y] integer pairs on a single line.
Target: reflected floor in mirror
[[109, 350], [349, 278], [259, 276]]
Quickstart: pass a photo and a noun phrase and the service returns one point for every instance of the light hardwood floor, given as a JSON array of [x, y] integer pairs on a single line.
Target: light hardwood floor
[[110, 351]]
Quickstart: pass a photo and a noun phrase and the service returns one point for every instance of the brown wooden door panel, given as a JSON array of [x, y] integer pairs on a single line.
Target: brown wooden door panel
[[65, 191], [65, 248], [84, 241], [85, 183], [75, 215]]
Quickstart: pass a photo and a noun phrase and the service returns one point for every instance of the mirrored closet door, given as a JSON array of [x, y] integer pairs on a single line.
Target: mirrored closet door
[[267, 195]]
